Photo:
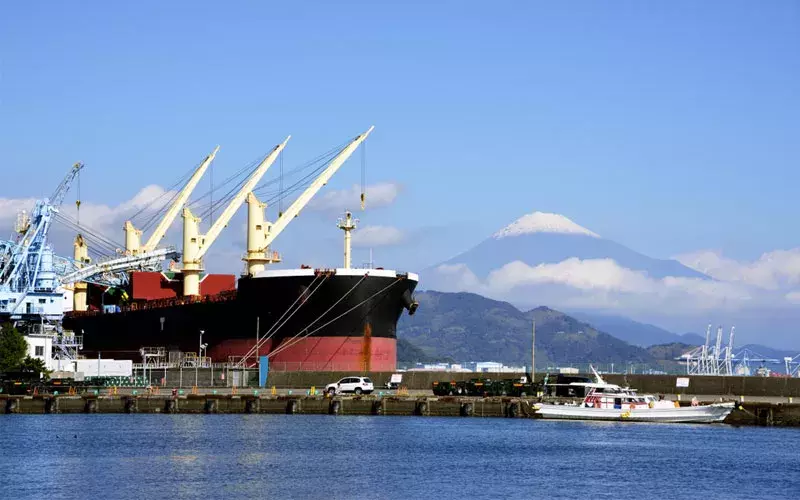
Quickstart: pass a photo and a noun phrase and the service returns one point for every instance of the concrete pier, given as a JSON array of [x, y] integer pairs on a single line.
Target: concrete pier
[[747, 412]]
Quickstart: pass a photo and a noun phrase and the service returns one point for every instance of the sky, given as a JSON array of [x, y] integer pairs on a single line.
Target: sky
[[669, 127]]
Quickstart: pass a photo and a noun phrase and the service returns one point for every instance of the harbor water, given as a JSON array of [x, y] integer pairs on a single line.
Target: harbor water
[[320, 456]]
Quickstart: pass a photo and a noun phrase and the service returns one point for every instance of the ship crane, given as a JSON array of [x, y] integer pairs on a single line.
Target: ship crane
[[260, 234], [195, 245], [137, 256], [133, 236]]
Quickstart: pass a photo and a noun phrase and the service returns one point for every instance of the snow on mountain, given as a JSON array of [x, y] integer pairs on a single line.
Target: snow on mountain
[[546, 238], [542, 222]]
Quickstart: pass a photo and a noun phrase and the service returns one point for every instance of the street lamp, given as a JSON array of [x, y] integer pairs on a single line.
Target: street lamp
[[199, 351]]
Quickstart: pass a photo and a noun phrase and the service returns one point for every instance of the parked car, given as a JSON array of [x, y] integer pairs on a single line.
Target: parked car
[[357, 385]]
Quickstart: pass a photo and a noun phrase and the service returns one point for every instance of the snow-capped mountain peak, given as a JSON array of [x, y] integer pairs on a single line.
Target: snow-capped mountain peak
[[542, 222]]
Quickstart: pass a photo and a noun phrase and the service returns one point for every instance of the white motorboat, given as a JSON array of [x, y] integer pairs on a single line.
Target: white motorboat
[[604, 401]]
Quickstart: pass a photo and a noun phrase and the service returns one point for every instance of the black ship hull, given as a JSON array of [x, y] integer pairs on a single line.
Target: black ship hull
[[311, 321]]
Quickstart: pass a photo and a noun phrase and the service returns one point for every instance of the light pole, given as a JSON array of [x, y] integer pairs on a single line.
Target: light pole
[[197, 362]]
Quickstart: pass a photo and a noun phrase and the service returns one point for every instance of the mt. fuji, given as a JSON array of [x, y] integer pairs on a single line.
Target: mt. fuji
[[547, 238]]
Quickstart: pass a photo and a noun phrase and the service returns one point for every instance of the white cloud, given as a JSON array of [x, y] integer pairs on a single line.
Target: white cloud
[[376, 236], [106, 220], [598, 284], [772, 271], [598, 274], [377, 195]]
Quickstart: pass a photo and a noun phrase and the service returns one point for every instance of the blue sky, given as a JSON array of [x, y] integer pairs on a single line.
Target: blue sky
[[668, 127]]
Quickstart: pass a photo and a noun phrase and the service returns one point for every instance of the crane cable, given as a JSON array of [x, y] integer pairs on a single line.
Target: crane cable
[[90, 235], [280, 189], [275, 326], [363, 174], [290, 344]]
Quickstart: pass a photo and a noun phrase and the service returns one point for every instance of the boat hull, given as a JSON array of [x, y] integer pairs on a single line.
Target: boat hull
[[344, 321], [712, 413]]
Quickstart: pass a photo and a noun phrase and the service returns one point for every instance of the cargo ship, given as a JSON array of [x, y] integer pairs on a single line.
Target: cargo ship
[[304, 319], [336, 319]]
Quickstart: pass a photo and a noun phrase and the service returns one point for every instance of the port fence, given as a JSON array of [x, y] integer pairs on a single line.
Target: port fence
[[210, 375]]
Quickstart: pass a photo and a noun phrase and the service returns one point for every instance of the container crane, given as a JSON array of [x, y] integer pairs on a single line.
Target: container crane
[[261, 234], [28, 278], [195, 245], [133, 236]]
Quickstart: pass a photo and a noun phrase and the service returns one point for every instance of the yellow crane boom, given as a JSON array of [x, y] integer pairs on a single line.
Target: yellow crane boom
[[195, 245], [133, 236], [302, 200]]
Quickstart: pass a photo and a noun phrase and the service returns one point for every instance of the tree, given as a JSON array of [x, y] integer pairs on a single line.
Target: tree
[[34, 365], [13, 348]]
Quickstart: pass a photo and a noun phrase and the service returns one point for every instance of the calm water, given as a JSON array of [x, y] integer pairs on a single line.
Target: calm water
[[294, 456]]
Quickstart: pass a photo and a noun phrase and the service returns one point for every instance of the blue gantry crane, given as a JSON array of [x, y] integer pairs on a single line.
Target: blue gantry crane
[[29, 268]]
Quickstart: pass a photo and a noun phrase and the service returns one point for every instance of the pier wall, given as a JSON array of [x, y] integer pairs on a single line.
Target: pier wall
[[747, 413], [663, 384], [423, 380]]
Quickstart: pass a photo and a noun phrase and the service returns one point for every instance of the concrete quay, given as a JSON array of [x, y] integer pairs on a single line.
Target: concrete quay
[[747, 413]]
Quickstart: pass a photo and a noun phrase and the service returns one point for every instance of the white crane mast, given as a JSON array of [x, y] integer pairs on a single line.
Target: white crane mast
[[717, 348], [195, 245], [729, 353], [133, 236]]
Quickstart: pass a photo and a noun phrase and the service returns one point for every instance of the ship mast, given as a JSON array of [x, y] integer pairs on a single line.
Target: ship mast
[[260, 233], [133, 236], [195, 245], [347, 225], [80, 289]]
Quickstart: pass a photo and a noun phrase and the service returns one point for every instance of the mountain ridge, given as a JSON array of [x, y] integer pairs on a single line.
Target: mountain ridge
[[468, 327]]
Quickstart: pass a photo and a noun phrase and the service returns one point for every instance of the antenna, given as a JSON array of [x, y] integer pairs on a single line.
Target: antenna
[[533, 349]]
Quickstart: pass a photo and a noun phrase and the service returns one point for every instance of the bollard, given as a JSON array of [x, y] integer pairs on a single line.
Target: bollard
[[211, 406], [790, 400], [741, 399], [334, 407], [291, 407], [274, 391], [466, 409]]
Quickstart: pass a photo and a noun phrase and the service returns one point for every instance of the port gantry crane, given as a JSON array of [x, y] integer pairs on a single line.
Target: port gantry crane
[[28, 266], [261, 233], [195, 245]]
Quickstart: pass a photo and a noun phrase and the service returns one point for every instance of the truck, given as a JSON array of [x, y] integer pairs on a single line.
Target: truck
[[486, 387]]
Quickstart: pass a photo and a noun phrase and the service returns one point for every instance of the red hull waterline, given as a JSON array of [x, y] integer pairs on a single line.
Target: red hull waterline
[[347, 354]]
